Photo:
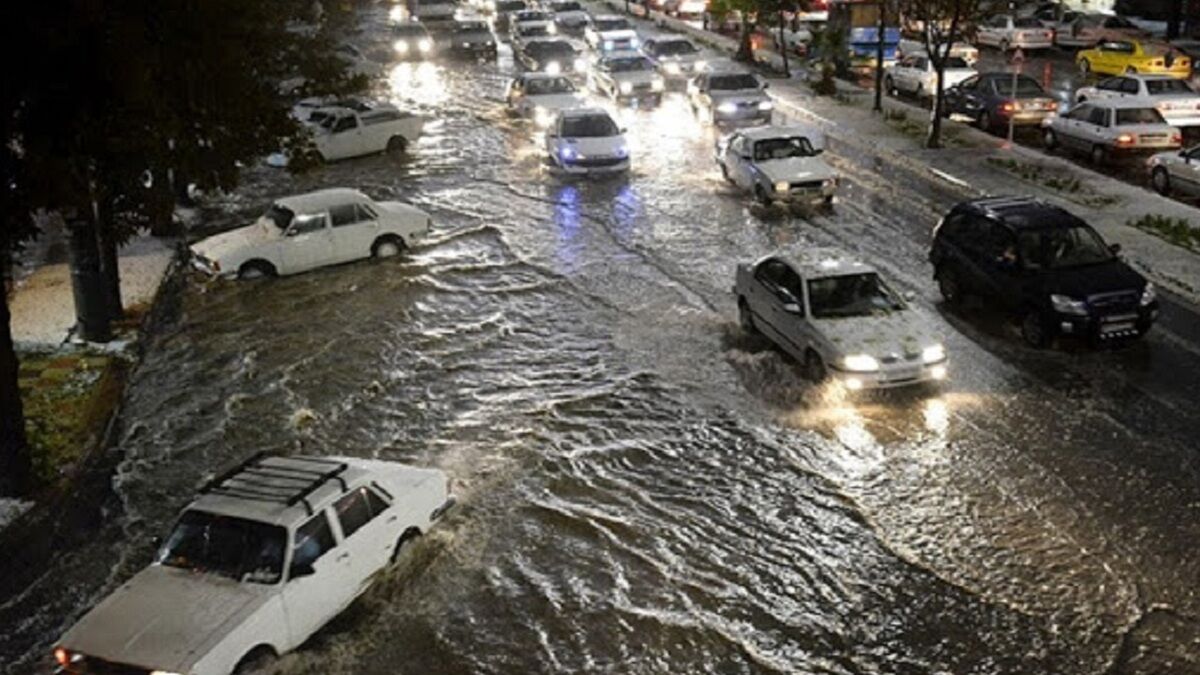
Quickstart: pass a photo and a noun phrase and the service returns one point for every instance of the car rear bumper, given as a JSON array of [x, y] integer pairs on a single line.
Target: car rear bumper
[[578, 169]]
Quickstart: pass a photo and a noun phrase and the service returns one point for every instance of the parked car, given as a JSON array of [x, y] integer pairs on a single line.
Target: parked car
[[569, 15], [1107, 129], [1056, 18], [434, 12], [724, 96], [627, 77], [266, 555], [778, 163], [586, 141], [1176, 172], [529, 24], [795, 39], [553, 56], [961, 50], [1044, 266], [1132, 56], [1174, 98], [413, 41], [685, 9], [610, 33], [344, 133], [471, 38], [1008, 32], [916, 75], [304, 232], [837, 317], [318, 108], [541, 96], [1089, 30], [676, 58], [989, 100]]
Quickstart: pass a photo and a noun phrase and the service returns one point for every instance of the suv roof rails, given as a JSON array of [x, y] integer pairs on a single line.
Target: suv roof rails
[[256, 480], [996, 203]]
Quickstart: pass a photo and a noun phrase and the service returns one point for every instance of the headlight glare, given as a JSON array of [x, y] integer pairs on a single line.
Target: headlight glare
[[1149, 293], [781, 186], [656, 84], [933, 354], [860, 363], [553, 68], [671, 68], [401, 46], [1064, 304], [765, 105], [580, 65], [700, 65], [424, 45], [727, 107], [626, 88]]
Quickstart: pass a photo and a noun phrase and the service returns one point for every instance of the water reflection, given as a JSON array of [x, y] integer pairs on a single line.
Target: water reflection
[[421, 83]]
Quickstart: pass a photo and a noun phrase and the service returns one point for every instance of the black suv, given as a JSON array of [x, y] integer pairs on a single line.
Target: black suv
[[1045, 265]]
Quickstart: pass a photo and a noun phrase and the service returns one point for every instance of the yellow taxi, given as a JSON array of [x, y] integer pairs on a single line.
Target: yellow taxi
[[1119, 57]]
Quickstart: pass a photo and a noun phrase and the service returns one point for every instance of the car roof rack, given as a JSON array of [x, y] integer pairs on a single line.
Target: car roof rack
[[256, 480]]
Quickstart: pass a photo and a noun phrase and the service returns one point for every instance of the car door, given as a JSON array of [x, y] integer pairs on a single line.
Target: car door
[[1185, 173], [1068, 126], [307, 244], [773, 301], [1095, 130], [369, 529], [352, 233], [344, 138], [741, 162], [320, 580]]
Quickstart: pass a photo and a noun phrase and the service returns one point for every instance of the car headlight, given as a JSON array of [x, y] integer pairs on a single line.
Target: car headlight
[[622, 151], [700, 65], [829, 182], [860, 363], [1064, 304], [553, 68], [580, 65], [424, 45], [608, 45], [671, 68], [551, 29], [765, 105], [781, 186], [626, 88], [1149, 293], [634, 42], [542, 117], [933, 354], [727, 107], [656, 84], [401, 46]]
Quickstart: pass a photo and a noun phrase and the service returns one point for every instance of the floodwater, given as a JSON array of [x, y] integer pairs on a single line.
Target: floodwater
[[644, 489]]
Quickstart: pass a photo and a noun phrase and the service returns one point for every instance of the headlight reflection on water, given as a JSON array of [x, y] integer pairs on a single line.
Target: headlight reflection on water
[[422, 83]]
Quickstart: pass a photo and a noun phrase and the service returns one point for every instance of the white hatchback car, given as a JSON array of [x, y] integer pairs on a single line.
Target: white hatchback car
[[265, 556], [778, 164], [308, 231], [914, 74], [839, 319], [586, 140]]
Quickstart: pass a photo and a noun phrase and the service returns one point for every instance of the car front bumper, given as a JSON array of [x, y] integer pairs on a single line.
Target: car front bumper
[[1107, 328], [807, 194], [743, 115], [204, 265], [584, 167], [894, 376]]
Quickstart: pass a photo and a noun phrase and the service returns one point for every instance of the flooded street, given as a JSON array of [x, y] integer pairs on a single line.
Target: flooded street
[[642, 487]]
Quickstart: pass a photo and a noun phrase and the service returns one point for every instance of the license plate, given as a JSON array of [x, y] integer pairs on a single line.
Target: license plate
[[1116, 327]]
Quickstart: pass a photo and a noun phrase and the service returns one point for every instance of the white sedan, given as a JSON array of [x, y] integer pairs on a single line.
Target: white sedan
[[1105, 129], [627, 76], [586, 140], [1176, 172], [312, 230], [541, 97], [1174, 98], [778, 164], [838, 318], [914, 74]]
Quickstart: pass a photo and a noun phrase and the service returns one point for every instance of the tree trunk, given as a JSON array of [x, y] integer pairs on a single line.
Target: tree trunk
[[783, 47], [745, 52], [110, 270], [91, 306], [934, 140], [879, 56], [15, 468]]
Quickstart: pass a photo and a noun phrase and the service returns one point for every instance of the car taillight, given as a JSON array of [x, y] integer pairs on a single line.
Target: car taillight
[[1052, 105], [62, 657], [1177, 139], [1008, 106], [1125, 139]]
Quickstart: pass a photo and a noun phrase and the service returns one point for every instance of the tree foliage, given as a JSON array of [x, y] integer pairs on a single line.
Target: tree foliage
[[941, 23]]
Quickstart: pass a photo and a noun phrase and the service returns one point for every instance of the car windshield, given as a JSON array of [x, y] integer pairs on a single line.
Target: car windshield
[[1139, 116], [851, 295], [533, 15], [474, 27], [1168, 86], [534, 30], [782, 148], [956, 62], [1027, 22], [237, 548], [675, 48], [589, 126], [553, 48], [630, 64], [409, 30], [1027, 87], [733, 82], [1055, 248], [603, 25], [281, 216], [568, 7], [549, 85]]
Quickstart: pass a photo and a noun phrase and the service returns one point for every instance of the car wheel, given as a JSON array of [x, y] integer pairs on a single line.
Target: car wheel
[[889, 85], [814, 367], [257, 661], [760, 193], [920, 92], [725, 173], [1161, 180], [1099, 154], [1085, 67], [388, 246], [410, 535], [256, 269], [746, 318], [1049, 140], [1033, 330], [950, 286], [396, 145], [985, 121]]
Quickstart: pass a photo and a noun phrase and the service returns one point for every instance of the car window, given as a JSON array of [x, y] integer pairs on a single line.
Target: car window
[[1118, 47], [771, 273], [357, 509], [366, 212], [313, 540], [1110, 84], [1168, 86], [1027, 22], [1079, 112], [969, 84], [243, 550], [343, 214], [1099, 117], [345, 123], [1129, 85], [308, 222], [851, 295], [998, 242], [1139, 116]]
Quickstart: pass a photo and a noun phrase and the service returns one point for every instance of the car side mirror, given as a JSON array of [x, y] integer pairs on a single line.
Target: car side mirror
[[792, 308], [301, 570], [1114, 248]]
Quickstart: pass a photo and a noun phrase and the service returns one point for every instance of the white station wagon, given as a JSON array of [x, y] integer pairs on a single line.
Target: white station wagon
[[778, 164], [343, 133], [265, 556], [839, 319], [308, 231]]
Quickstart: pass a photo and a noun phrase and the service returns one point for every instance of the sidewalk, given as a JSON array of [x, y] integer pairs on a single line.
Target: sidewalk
[[975, 164], [42, 303]]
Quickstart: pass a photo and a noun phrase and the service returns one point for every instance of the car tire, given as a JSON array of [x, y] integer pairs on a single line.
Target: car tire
[[387, 246], [760, 193], [256, 661], [1085, 67], [920, 92], [725, 173], [1161, 180], [1033, 330], [746, 318], [950, 286], [814, 367], [1098, 155], [410, 535], [256, 269], [889, 85], [985, 121], [1050, 140], [397, 145]]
